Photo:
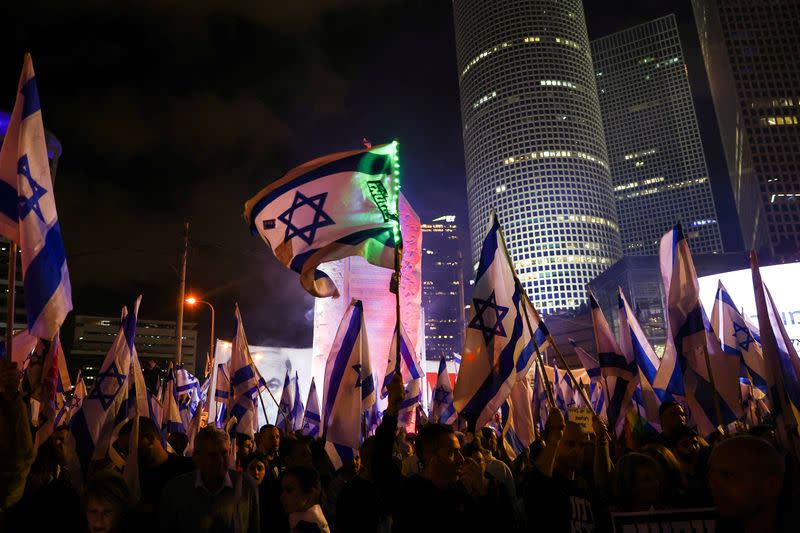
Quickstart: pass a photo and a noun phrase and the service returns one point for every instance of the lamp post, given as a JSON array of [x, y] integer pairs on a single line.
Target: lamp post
[[191, 300]]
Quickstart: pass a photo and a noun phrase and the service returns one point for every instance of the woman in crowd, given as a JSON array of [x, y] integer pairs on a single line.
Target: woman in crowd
[[106, 502], [300, 493], [637, 487]]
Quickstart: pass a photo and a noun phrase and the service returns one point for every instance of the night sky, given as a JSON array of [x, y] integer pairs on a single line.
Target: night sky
[[178, 110]]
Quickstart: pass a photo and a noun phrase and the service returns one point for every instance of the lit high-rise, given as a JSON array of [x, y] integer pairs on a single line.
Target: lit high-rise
[[750, 49], [658, 165], [534, 143]]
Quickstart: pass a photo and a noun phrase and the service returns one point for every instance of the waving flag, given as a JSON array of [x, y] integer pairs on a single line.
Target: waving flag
[[443, 411], [222, 394], [517, 418], [689, 329], [284, 420], [410, 367], [736, 338], [617, 368], [591, 364], [332, 207], [93, 424], [171, 421], [497, 337], [297, 406], [598, 398], [28, 211], [188, 394], [655, 385], [246, 384], [406, 417], [55, 384], [78, 394], [311, 418], [541, 336], [343, 380]]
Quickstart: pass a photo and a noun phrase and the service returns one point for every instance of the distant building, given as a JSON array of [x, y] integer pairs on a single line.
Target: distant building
[[534, 147], [658, 165], [442, 288], [751, 57], [155, 339]]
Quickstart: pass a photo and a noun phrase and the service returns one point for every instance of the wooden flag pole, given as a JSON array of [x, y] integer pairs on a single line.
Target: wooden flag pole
[[12, 287]]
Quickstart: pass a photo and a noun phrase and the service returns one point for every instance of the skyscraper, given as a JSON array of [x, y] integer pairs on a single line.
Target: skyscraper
[[442, 288], [750, 49], [534, 145], [658, 166]]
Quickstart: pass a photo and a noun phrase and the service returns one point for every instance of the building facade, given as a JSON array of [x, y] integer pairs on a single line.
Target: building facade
[[751, 56], [442, 288], [155, 339], [658, 165], [534, 143]]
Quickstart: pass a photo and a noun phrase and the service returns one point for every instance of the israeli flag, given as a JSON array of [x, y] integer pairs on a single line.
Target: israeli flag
[[737, 339], [443, 411], [311, 418], [410, 367], [342, 397], [171, 421], [28, 212], [93, 424], [188, 390], [246, 384], [784, 377], [655, 376], [222, 395], [284, 420], [55, 384], [297, 406], [497, 338], [618, 369], [590, 364], [406, 416], [517, 419]]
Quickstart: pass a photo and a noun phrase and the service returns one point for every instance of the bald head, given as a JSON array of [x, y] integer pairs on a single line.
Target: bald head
[[745, 477]]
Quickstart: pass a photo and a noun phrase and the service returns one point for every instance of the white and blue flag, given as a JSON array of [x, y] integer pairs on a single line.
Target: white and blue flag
[[297, 406], [171, 421], [188, 393], [410, 367], [93, 424], [222, 395], [246, 384], [28, 211], [655, 386], [284, 420], [517, 419], [342, 397], [617, 368], [311, 418], [406, 416], [497, 345], [737, 339], [443, 410]]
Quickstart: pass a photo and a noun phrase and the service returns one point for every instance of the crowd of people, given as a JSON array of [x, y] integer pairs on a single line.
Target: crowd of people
[[437, 480]]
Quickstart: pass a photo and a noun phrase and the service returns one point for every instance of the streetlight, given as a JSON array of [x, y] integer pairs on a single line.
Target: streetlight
[[191, 300]]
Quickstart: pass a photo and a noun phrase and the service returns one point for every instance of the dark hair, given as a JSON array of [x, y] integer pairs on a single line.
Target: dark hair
[[472, 448], [486, 432], [666, 405], [257, 456], [429, 438], [146, 427], [307, 478], [241, 437], [266, 427], [626, 473], [107, 486]]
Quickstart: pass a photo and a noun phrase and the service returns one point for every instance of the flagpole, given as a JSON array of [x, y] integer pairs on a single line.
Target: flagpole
[[398, 252], [12, 287], [181, 297], [548, 387]]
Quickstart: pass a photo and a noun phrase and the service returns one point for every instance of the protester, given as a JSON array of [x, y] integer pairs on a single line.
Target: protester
[[637, 485], [746, 478], [213, 497], [672, 417], [300, 493], [358, 507], [245, 445], [671, 480], [269, 441], [495, 468], [156, 467], [555, 499], [692, 454], [106, 503], [256, 467]]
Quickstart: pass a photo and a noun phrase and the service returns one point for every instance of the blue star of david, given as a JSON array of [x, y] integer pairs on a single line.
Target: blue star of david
[[441, 395], [106, 397], [744, 343], [26, 205], [488, 329], [309, 231], [357, 368]]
